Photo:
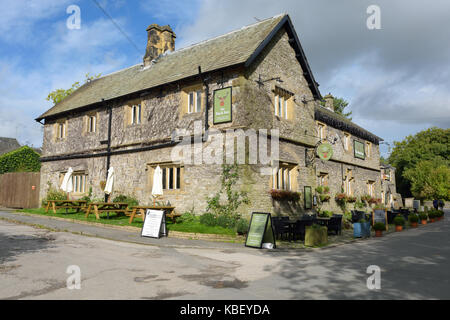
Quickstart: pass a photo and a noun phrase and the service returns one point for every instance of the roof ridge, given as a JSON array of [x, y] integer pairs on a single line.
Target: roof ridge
[[231, 32]]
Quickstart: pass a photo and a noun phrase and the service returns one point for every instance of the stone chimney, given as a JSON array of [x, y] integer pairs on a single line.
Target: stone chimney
[[329, 99], [160, 39]]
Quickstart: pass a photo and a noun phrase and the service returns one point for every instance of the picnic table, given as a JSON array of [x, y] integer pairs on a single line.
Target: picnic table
[[140, 211], [100, 207], [66, 204]]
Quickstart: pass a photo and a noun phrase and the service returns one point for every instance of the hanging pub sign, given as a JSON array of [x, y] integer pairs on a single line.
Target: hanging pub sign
[[325, 151], [260, 230], [380, 215], [359, 150], [154, 224], [222, 110]]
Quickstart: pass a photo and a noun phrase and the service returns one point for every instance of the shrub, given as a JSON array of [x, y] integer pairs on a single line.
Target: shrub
[[23, 159], [186, 217], [127, 199], [53, 194], [423, 216], [242, 226], [208, 219], [319, 189], [413, 218], [399, 221], [432, 214], [379, 226], [226, 222]]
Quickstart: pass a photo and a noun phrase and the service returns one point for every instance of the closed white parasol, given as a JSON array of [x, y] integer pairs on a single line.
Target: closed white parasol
[[109, 181], [67, 185], [157, 189]]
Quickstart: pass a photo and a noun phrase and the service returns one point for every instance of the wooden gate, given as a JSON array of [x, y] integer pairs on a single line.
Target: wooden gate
[[19, 190]]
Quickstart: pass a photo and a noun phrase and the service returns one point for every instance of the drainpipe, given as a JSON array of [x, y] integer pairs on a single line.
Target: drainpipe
[[205, 137], [108, 150]]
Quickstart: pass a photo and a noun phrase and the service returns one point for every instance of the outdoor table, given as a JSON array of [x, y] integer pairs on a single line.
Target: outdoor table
[[100, 207], [66, 204], [140, 211]]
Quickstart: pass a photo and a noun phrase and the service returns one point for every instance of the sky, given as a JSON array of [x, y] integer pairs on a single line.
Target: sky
[[396, 78]]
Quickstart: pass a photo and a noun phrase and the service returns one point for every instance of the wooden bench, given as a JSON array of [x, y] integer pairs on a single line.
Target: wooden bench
[[66, 204], [140, 211], [100, 207]]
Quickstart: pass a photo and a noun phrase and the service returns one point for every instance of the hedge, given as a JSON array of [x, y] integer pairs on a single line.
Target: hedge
[[23, 159]]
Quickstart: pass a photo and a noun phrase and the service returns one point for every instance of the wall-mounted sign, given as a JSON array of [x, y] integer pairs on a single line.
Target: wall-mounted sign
[[260, 230], [154, 224], [380, 215], [308, 197], [360, 151], [325, 151], [222, 110]]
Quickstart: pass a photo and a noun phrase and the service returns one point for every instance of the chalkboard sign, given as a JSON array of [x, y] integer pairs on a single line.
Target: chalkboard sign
[[380, 215], [260, 230], [154, 224]]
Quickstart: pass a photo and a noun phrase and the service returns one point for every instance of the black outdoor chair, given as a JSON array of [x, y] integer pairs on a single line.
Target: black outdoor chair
[[298, 231], [357, 215], [391, 215], [281, 228], [335, 225]]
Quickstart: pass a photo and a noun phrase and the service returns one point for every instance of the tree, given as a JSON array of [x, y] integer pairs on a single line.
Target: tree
[[428, 145], [429, 180], [339, 104], [56, 96]]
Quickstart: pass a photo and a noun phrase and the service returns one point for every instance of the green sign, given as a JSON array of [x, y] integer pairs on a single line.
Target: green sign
[[222, 105], [308, 197], [325, 151], [359, 150], [260, 230]]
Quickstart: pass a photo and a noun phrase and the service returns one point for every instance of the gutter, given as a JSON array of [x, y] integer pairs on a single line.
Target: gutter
[[205, 136]]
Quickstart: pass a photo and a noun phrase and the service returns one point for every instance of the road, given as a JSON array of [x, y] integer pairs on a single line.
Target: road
[[414, 264]]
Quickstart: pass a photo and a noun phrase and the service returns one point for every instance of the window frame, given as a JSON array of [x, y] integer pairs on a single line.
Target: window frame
[[281, 103], [193, 102], [136, 117]]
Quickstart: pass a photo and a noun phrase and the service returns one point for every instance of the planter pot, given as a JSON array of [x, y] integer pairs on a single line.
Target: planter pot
[[413, 224], [433, 220], [439, 218], [315, 237], [361, 230], [398, 228], [423, 221], [378, 233]]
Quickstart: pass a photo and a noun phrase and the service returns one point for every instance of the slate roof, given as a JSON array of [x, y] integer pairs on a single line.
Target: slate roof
[[234, 48], [8, 144], [342, 123]]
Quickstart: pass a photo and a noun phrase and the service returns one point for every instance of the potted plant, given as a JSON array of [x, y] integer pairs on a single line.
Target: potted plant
[[361, 229], [399, 222], [413, 220], [439, 214], [316, 235], [379, 227], [351, 199], [432, 216], [423, 218]]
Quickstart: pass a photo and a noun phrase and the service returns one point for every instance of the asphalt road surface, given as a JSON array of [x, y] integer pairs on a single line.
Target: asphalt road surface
[[414, 264]]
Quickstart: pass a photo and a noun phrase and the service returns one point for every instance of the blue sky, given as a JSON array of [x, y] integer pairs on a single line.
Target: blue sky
[[396, 79]]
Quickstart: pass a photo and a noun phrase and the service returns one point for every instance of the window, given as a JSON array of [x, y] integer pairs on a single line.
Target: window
[[321, 131], [61, 130], [371, 188], [171, 178], [282, 178], [282, 103], [323, 179], [347, 141], [136, 114], [368, 149], [348, 183], [92, 123], [79, 182], [195, 101]]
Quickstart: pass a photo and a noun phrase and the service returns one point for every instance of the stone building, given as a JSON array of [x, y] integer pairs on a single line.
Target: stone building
[[133, 120]]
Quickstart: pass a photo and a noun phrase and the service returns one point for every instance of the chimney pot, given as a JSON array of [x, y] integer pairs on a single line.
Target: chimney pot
[[329, 99]]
